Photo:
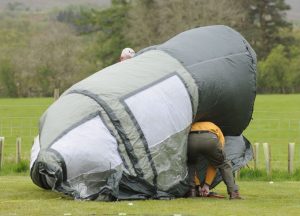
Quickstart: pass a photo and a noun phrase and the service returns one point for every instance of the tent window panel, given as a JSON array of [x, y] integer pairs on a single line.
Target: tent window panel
[[88, 148], [161, 110]]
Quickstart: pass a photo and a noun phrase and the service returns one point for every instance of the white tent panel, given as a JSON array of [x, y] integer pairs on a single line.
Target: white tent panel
[[34, 151], [162, 109], [88, 148]]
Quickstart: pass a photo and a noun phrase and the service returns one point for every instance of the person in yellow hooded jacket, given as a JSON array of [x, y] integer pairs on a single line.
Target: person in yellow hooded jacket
[[207, 139]]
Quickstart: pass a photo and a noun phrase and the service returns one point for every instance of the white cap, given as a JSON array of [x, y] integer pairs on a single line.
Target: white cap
[[127, 53]]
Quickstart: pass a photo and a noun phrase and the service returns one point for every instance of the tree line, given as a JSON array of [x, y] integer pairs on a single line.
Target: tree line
[[40, 52]]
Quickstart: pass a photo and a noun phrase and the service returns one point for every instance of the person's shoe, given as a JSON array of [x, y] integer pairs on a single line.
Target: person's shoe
[[235, 195]]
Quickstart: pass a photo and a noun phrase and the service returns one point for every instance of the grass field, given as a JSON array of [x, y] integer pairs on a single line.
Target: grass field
[[19, 118], [276, 120], [20, 197]]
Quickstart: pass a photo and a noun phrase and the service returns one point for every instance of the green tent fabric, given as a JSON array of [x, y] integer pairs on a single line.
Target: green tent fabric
[[122, 132]]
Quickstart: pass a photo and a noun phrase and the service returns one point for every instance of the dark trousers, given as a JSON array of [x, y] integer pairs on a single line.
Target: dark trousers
[[208, 145]]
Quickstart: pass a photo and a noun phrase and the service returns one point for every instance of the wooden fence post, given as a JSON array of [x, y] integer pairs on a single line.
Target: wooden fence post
[[56, 94], [267, 153], [291, 150], [256, 153], [18, 150], [1, 151]]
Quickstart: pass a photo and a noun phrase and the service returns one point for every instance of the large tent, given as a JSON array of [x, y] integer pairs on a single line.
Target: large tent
[[122, 132]]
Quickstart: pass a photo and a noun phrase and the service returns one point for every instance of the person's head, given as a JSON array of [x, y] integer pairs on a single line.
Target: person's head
[[127, 53]]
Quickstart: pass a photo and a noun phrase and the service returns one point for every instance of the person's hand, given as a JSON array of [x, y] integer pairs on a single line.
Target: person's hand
[[204, 191]]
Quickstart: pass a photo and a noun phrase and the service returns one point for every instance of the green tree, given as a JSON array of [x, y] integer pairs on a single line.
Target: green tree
[[108, 25], [55, 58], [295, 68], [7, 79], [274, 72], [265, 20], [153, 21], [14, 36]]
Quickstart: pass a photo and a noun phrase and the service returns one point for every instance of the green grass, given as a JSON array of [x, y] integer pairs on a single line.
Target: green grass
[[276, 175], [20, 197], [21, 168], [276, 120], [19, 118]]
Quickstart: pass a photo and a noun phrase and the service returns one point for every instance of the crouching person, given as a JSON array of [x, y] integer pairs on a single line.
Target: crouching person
[[207, 139]]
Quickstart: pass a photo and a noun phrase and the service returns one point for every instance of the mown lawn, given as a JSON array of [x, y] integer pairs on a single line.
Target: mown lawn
[[276, 120], [19, 117], [19, 196]]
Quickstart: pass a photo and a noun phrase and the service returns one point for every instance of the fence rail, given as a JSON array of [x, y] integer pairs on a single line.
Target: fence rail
[[19, 126]]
